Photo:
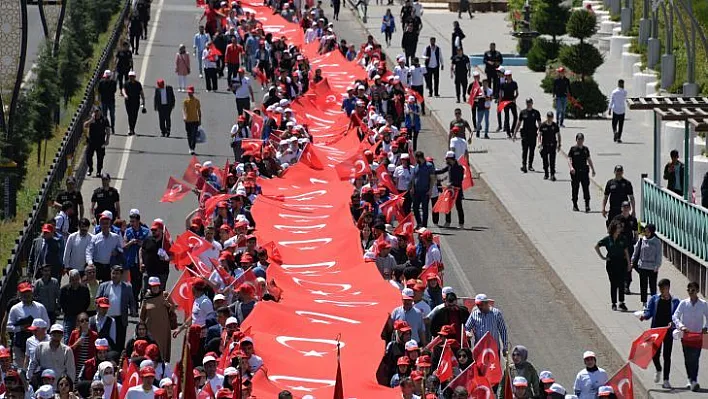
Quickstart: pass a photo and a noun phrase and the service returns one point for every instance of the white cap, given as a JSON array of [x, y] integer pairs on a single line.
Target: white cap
[[407, 293], [219, 297], [507, 72], [501, 69], [208, 359], [230, 371], [288, 110], [405, 155], [361, 87], [391, 167], [605, 390], [134, 212], [107, 214], [107, 72], [131, 73], [290, 123], [147, 363], [284, 102], [231, 320], [45, 392], [38, 323], [56, 327], [101, 343], [165, 382], [481, 298], [571, 397], [246, 339], [556, 388], [49, 373], [450, 154], [411, 345], [208, 164], [411, 98], [447, 290], [588, 354], [377, 77], [520, 381], [154, 281], [279, 110], [546, 376], [475, 73]]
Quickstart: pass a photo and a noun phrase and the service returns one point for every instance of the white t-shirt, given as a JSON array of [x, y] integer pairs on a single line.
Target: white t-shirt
[[241, 86], [403, 177], [418, 75], [137, 392], [432, 255], [459, 146], [201, 309], [217, 382]]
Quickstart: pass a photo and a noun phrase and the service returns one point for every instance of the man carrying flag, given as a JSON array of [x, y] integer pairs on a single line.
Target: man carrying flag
[[659, 310], [456, 174], [691, 316]]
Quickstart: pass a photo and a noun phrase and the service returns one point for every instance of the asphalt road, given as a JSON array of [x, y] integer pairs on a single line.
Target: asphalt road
[[495, 257]]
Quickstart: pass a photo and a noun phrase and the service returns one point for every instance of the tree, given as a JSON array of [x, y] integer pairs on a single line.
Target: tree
[[45, 95], [69, 66], [550, 18], [582, 24]]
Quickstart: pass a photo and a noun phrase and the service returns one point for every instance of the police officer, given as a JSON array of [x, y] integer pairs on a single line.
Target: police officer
[[529, 123], [549, 141], [580, 165], [105, 198], [630, 225], [617, 190]]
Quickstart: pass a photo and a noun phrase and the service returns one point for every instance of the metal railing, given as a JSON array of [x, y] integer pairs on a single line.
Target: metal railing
[[58, 169]]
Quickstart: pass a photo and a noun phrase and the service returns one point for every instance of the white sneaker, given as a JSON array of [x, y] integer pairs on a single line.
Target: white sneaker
[[657, 377], [689, 384]]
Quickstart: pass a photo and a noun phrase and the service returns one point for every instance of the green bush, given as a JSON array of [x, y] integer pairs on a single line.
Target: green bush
[[582, 24], [581, 58], [589, 97], [547, 83], [541, 52], [550, 17]]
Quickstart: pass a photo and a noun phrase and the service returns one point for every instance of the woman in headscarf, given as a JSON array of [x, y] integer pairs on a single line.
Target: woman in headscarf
[[155, 313], [520, 367], [107, 375]]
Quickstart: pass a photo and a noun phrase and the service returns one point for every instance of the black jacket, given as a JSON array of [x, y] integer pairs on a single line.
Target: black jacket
[[170, 97], [409, 41]]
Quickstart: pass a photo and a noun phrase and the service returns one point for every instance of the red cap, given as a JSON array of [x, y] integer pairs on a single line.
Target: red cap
[[160, 393], [424, 361], [419, 287], [401, 325], [447, 331], [225, 227], [411, 282], [198, 220], [410, 250], [383, 245], [152, 351], [242, 118], [190, 89], [222, 204], [160, 83], [426, 235], [416, 375], [246, 258], [247, 288], [4, 353], [196, 373], [431, 395], [25, 287], [224, 393], [147, 371], [48, 228], [157, 226], [226, 255], [103, 302], [403, 360]]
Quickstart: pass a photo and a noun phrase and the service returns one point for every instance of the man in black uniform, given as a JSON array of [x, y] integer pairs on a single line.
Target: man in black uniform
[[105, 198], [143, 9], [98, 135], [107, 93], [550, 143], [529, 122], [71, 194], [508, 91], [578, 161], [492, 60], [630, 225], [460, 71], [124, 64], [134, 100], [135, 31], [617, 190]]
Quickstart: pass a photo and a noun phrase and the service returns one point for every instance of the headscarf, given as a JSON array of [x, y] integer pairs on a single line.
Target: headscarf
[[522, 351], [102, 368]]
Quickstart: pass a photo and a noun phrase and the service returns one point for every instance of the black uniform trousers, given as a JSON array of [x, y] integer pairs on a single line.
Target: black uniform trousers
[[132, 108], [528, 144], [211, 78], [100, 154], [461, 87], [548, 155], [458, 207], [617, 125], [577, 179], [432, 80], [164, 113], [616, 272], [510, 128]]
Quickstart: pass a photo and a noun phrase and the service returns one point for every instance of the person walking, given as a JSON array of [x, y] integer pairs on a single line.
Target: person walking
[[659, 310], [135, 31], [134, 100], [192, 116], [155, 313], [232, 57], [388, 26], [182, 67], [630, 226], [103, 246], [142, 8], [201, 39], [53, 355], [617, 108], [99, 133], [492, 61], [409, 43], [460, 72], [509, 91], [164, 103], [456, 175], [457, 37], [46, 250], [529, 123], [616, 262], [71, 194], [241, 87], [561, 91], [75, 248], [423, 181], [211, 72], [521, 367], [124, 64], [617, 191], [74, 299], [433, 65], [105, 198], [107, 88], [673, 173], [549, 141], [691, 316], [647, 258], [122, 304], [483, 102], [417, 79], [578, 161], [464, 7], [487, 318]]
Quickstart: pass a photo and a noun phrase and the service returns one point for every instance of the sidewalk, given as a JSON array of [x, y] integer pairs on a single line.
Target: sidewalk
[[543, 208]]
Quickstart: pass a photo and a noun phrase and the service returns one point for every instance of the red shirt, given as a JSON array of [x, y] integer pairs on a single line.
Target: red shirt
[[233, 53]]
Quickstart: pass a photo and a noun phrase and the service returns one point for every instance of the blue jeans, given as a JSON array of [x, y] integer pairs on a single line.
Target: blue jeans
[[561, 105], [69, 325], [109, 109], [691, 357], [482, 113], [421, 198]]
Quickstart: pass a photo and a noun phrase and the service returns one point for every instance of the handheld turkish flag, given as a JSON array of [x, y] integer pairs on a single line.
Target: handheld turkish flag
[[114, 392], [509, 387], [431, 271], [207, 192], [646, 345], [444, 370], [260, 75], [433, 343], [175, 191], [405, 227], [467, 180], [696, 340], [384, 178], [310, 158], [338, 385], [393, 207], [486, 355], [476, 384], [187, 243], [622, 383], [191, 174], [225, 277], [132, 379], [502, 105], [252, 145], [181, 294], [249, 278], [410, 92], [476, 89], [353, 167], [446, 200], [256, 124], [207, 392]]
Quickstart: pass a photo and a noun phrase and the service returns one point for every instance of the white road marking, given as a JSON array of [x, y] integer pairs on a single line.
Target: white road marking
[[143, 72]]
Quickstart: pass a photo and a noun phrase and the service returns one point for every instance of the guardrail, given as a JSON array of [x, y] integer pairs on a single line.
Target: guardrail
[[682, 226], [57, 170]]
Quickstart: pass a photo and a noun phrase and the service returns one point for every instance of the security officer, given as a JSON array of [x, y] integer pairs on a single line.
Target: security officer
[[617, 190], [630, 225], [578, 161], [105, 198], [529, 123], [549, 141]]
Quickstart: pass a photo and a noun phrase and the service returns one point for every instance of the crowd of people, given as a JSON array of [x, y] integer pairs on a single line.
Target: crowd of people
[[119, 269]]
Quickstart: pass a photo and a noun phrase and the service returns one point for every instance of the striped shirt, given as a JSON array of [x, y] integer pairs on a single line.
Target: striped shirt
[[492, 321]]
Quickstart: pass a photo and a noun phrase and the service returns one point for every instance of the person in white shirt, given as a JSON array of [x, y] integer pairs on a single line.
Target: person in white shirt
[[432, 252], [433, 64], [241, 87], [213, 378], [146, 390], [403, 174], [39, 329], [18, 320], [102, 247], [458, 145], [589, 379], [75, 247], [63, 219], [202, 307], [617, 109], [691, 316], [402, 71]]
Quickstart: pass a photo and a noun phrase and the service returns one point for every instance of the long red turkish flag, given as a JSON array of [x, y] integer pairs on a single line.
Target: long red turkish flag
[[646, 345], [467, 180]]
